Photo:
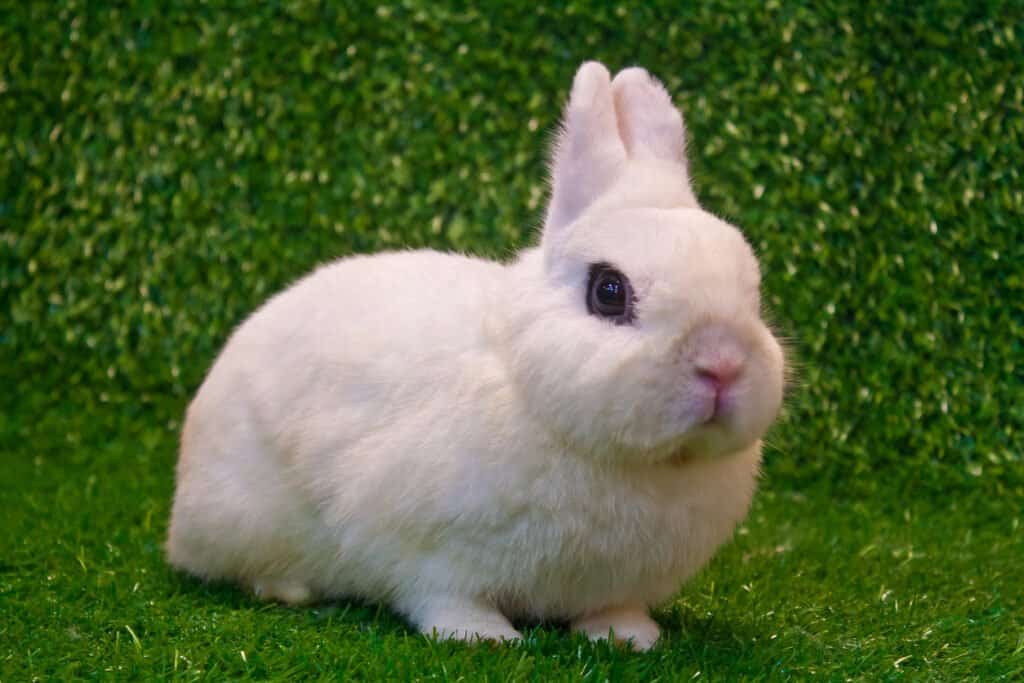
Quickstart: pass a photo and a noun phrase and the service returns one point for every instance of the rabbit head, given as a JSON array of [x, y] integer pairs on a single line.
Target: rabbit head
[[636, 330]]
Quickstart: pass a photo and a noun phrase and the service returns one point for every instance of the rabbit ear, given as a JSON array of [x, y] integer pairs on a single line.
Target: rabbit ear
[[649, 123], [589, 152]]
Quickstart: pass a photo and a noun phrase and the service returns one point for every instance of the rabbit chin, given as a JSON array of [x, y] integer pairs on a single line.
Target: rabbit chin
[[672, 432], [703, 441], [714, 440], [688, 441], [720, 434], [693, 434]]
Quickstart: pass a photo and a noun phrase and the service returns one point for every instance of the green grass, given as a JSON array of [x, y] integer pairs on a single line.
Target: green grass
[[815, 583], [162, 171]]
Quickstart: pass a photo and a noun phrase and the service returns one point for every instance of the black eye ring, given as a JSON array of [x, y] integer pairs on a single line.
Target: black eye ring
[[609, 294]]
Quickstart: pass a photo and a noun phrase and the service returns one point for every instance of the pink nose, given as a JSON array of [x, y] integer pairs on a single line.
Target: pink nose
[[719, 374]]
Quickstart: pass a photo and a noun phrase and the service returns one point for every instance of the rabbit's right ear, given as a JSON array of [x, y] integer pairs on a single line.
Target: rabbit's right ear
[[589, 152]]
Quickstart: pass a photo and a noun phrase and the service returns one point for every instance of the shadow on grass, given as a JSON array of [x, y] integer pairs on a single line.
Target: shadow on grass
[[683, 632], [226, 594]]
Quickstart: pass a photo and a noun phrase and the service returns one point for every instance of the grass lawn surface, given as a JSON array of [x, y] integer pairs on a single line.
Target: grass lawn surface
[[164, 170]]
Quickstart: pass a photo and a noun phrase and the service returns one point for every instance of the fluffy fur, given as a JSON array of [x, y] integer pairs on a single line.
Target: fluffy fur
[[462, 440]]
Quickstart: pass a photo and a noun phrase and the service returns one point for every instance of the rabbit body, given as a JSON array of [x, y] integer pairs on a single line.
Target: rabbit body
[[461, 440]]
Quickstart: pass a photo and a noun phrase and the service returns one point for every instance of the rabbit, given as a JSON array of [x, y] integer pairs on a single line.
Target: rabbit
[[565, 436]]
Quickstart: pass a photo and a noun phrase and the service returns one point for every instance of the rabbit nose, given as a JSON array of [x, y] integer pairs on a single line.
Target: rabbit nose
[[717, 355], [719, 373]]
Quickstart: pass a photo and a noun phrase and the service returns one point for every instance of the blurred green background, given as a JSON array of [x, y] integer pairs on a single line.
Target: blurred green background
[[165, 168]]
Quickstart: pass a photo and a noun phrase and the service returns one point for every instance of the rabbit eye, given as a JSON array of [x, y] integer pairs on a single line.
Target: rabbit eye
[[609, 294]]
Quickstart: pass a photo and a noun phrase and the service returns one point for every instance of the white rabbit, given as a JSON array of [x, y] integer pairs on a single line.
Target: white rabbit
[[567, 436]]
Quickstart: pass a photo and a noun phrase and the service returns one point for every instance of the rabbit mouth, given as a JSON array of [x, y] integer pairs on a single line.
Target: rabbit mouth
[[719, 409], [712, 410]]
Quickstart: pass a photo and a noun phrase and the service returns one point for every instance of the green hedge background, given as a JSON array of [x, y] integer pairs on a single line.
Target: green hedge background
[[165, 168]]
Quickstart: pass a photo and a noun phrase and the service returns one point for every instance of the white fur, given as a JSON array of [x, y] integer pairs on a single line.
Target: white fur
[[462, 440]]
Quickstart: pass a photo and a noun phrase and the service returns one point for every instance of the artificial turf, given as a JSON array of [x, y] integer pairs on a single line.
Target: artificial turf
[[164, 169]]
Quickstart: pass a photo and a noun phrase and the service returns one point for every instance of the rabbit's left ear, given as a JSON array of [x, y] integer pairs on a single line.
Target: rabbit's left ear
[[589, 152]]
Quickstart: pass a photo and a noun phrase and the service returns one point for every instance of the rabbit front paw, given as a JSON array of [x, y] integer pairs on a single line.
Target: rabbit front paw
[[627, 625], [451, 618], [287, 591]]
